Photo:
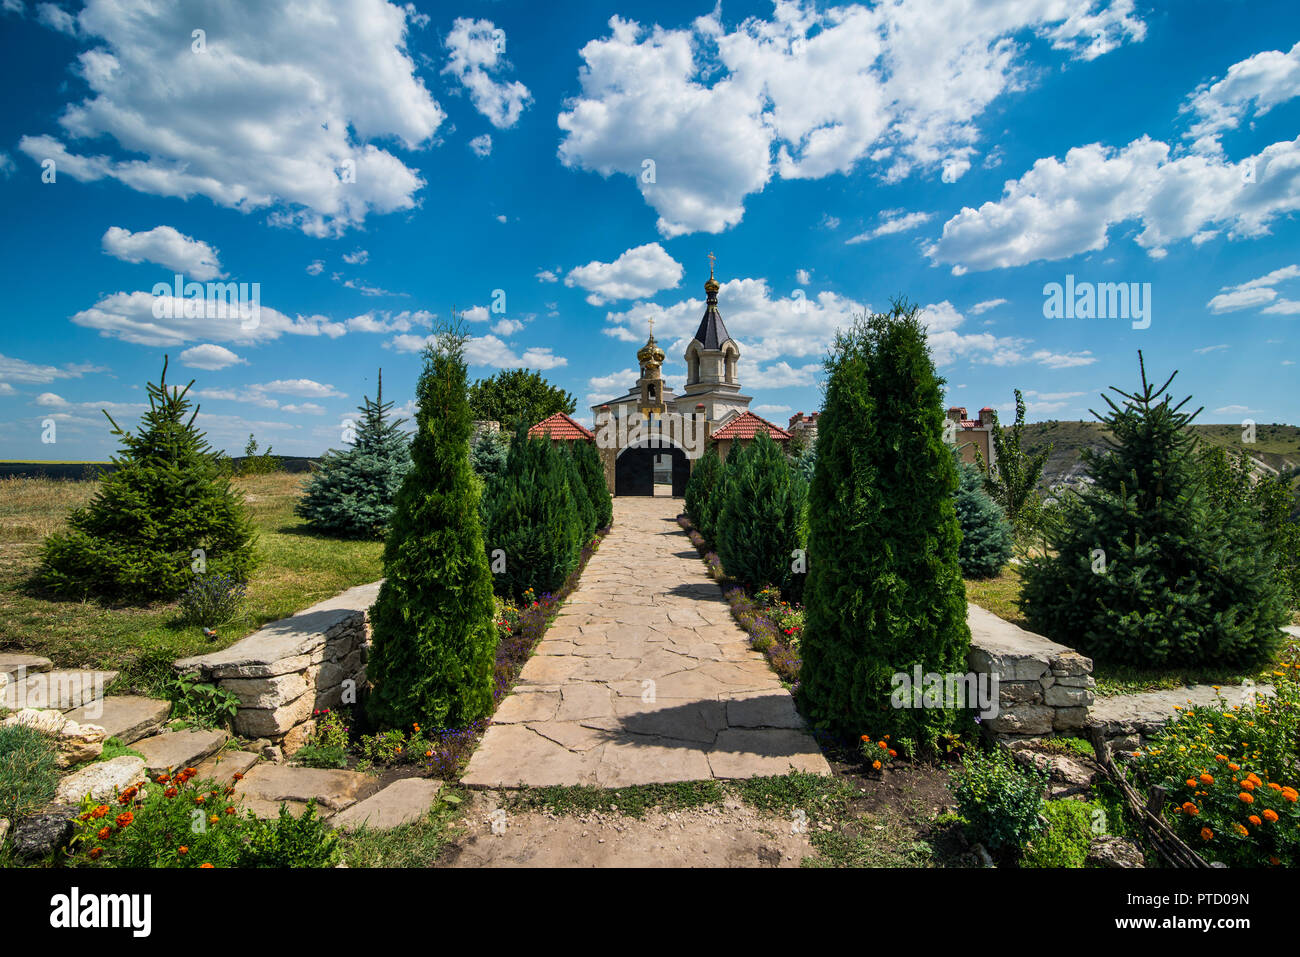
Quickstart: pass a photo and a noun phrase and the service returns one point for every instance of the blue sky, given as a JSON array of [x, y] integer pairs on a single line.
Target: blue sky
[[562, 177]]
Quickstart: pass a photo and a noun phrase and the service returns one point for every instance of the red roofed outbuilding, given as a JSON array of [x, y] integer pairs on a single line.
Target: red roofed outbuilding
[[561, 428], [743, 428]]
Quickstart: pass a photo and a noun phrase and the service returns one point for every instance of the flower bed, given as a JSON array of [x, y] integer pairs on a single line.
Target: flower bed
[[774, 626]]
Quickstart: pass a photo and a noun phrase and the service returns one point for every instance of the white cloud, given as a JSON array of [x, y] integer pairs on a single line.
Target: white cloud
[[777, 375], [638, 272], [1256, 292], [315, 267], [803, 277], [481, 145], [386, 322], [1256, 84], [547, 275], [772, 411], [982, 307], [1208, 349], [304, 408], [476, 51], [806, 94], [129, 316], [1232, 410], [897, 224], [211, 357], [56, 18], [7, 165], [948, 344], [166, 247], [488, 350], [303, 388], [302, 89], [475, 314], [507, 327], [358, 257], [20, 370], [1061, 208]]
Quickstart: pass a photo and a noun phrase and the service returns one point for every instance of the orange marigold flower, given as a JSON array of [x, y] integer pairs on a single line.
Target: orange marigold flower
[[1254, 819], [883, 746], [1191, 782], [1270, 815], [1248, 784], [230, 810], [875, 765], [125, 818], [182, 849], [206, 865], [171, 793], [1235, 767], [238, 776], [893, 753], [1207, 779], [1272, 859], [866, 737], [1241, 829], [1245, 797], [200, 799], [103, 833], [95, 852], [1190, 808], [1222, 757], [213, 819], [1207, 834]]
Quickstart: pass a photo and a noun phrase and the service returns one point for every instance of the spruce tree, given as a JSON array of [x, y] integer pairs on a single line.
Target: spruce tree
[[1148, 568], [884, 590], [986, 541], [167, 512], [1012, 480], [432, 627], [760, 520], [699, 487], [352, 491], [593, 476]]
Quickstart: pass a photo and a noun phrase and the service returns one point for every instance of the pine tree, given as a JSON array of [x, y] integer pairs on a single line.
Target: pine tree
[[166, 512], [585, 507], [432, 627], [760, 520], [711, 509], [986, 542], [884, 589], [1147, 568], [593, 476], [1013, 477], [352, 491], [700, 486]]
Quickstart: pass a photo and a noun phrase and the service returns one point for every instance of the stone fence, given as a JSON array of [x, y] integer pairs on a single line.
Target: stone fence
[[290, 668], [1043, 687]]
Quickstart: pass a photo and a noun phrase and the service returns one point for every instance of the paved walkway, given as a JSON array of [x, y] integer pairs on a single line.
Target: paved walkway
[[643, 678]]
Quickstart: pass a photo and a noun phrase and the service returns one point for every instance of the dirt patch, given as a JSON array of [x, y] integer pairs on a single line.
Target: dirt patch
[[727, 834]]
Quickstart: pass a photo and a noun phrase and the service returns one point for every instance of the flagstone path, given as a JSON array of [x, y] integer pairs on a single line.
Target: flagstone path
[[643, 678]]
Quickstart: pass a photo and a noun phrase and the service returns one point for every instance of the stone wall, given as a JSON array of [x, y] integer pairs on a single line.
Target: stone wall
[[1043, 688], [290, 668]]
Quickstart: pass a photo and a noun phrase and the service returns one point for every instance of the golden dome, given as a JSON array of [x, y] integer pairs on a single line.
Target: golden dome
[[650, 353]]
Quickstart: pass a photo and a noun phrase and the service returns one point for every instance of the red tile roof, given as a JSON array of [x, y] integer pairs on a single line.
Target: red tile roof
[[560, 426], [747, 425]]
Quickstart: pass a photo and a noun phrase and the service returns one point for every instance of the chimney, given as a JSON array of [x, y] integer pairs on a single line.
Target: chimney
[[988, 416], [957, 413]]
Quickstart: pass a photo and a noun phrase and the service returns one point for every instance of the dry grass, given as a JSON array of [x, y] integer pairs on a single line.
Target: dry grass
[[997, 594], [297, 568]]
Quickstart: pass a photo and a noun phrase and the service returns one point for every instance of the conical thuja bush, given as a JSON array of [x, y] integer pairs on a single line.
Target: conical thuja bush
[[164, 514], [433, 636]]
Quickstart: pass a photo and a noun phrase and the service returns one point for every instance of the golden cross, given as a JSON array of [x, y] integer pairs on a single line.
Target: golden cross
[[712, 259], [652, 327]]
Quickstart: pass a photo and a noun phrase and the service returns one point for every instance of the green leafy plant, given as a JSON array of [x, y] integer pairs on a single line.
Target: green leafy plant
[[327, 747], [1013, 478], [258, 463], [1147, 568], [884, 590], [178, 821], [517, 397], [432, 632], [999, 801], [200, 703], [1064, 842], [351, 492], [166, 513]]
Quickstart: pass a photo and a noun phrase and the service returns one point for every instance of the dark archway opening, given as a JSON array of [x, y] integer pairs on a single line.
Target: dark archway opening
[[635, 470]]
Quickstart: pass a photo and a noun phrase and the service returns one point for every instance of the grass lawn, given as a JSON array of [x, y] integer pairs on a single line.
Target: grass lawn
[[997, 594], [297, 568]]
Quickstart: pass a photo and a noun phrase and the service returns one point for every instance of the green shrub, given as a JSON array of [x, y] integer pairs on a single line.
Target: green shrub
[[999, 801], [487, 454], [350, 493], [699, 489], [711, 507], [433, 641], [530, 514], [986, 541], [164, 515], [585, 507], [258, 463], [1146, 567], [181, 822], [593, 476], [200, 703], [1065, 840], [211, 600], [29, 770], [328, 745], [760, 520], [884, 590]]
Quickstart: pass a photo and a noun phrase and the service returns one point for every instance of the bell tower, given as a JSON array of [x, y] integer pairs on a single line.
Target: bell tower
[[651, 383]]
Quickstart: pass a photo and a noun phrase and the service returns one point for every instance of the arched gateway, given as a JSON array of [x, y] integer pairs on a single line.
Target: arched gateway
[[635, 465]]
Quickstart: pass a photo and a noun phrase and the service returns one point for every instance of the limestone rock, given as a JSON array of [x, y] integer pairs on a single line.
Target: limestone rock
[[1114, 852], [401, 802], [173, 750], [101, 780], [80, 742], [49, 720], [125, 717]]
